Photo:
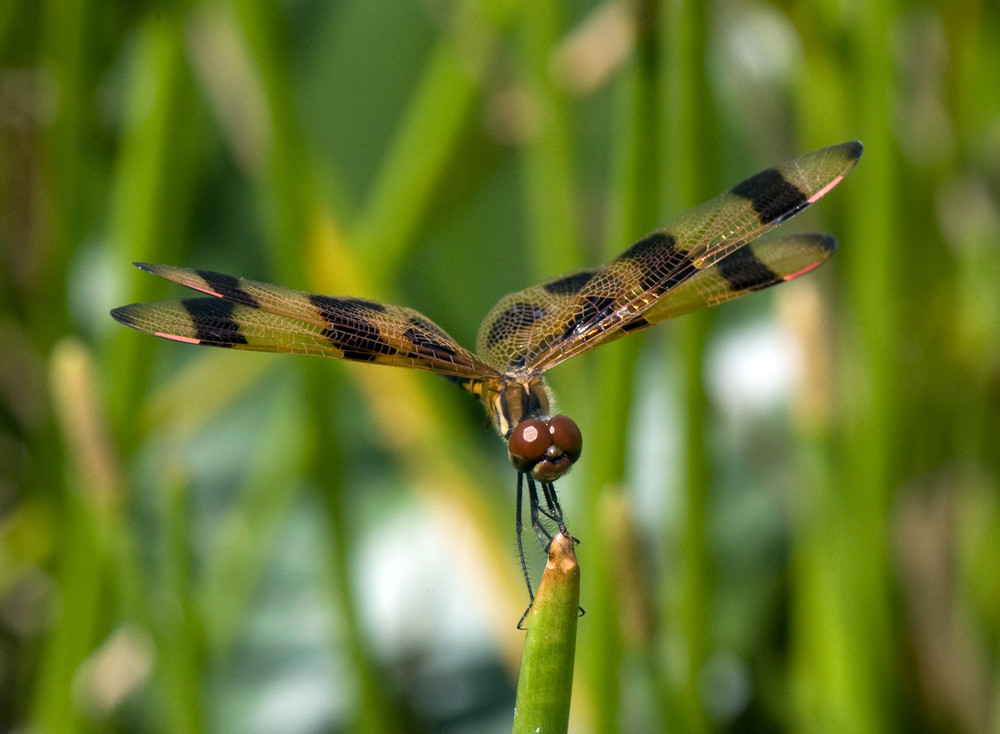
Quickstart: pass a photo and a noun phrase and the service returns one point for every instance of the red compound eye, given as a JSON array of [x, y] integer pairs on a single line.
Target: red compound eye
[[528, 443], [566, 436]]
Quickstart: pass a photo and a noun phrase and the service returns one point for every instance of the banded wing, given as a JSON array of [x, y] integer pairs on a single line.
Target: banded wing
[[752, 268], [245, 314], [696, 260]]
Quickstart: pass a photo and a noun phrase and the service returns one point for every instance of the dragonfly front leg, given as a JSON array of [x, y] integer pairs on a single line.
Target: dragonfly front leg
[[520, 545], [543, 535], [554, 509]]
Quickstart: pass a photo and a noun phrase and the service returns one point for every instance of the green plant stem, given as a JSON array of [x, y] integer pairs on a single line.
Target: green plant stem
[[546, 681]]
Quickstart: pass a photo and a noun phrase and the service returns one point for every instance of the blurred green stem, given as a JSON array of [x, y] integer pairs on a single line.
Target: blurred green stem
[[687, 117]]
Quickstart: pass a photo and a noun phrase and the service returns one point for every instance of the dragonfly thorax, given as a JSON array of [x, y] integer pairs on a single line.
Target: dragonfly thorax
[[515, 400]]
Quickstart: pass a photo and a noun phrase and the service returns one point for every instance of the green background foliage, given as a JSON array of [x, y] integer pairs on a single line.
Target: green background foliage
[[788, 506]]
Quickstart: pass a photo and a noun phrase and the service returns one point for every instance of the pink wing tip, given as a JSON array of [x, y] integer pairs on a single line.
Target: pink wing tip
[[803, 271], [823, 191], [204, 290], [176, 338]]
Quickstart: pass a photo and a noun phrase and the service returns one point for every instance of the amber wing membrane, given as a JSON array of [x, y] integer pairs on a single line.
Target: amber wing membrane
[[696, 260], [245, 314], [759, 265]]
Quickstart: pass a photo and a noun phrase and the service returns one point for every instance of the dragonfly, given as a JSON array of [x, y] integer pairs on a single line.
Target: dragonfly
[[706, 256]]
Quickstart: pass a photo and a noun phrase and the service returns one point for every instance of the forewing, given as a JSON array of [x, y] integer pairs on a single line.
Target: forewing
[[245, 314], [541, 326]]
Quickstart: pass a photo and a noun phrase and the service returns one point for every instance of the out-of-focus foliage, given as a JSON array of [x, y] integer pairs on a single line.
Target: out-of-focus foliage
[[789, 507]]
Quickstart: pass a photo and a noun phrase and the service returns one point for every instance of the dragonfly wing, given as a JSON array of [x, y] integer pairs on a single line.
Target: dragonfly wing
[[759, 265], [246, 314], [539, 327]]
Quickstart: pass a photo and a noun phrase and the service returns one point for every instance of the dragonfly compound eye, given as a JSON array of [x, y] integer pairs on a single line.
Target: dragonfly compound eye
[[566, 436], [528, 444]]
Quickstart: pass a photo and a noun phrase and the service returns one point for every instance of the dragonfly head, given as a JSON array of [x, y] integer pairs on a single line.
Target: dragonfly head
[[545, 448]]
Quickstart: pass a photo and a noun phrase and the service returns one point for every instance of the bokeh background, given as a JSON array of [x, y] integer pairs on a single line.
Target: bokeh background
[[788, 506]]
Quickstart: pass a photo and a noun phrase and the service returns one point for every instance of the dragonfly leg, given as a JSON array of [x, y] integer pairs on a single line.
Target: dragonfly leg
[[520, 547], [543, 535], [554, 509]]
